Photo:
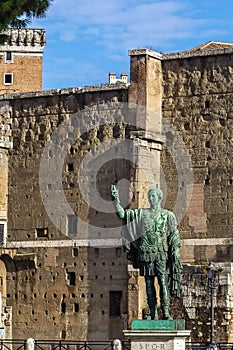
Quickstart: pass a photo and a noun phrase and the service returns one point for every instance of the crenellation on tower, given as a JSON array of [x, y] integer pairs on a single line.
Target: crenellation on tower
[[24, 40]]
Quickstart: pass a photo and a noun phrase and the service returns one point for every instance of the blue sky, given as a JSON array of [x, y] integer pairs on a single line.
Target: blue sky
[[88, 39]]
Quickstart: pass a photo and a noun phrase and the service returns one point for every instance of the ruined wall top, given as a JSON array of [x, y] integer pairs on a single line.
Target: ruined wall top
[[24, 40], [148, 52], [210, 48], [65, 91]]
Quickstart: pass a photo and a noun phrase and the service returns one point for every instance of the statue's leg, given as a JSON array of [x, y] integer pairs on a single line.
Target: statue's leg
[[151, 297], [164, 297]]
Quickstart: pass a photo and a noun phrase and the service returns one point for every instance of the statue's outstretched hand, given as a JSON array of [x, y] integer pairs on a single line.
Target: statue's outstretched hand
[[114, 193]]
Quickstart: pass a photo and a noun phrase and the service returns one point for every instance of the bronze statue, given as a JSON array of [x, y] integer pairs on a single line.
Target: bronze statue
[[152, 242]]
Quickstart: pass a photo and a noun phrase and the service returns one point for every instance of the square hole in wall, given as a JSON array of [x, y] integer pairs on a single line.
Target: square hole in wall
[[42, 232], [70, 167]]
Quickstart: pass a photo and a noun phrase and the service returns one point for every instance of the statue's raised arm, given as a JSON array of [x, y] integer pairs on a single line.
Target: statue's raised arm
[[116, 200]]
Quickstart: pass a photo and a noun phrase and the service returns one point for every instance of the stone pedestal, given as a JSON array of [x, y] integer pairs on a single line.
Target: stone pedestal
[[157, 335]]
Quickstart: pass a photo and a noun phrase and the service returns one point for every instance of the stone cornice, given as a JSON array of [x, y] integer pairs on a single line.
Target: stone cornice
[[65, 91], [145, 52], [189, 54]]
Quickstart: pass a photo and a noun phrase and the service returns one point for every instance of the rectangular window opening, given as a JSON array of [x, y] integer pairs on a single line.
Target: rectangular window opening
[[8, 57], [75, 251], [71, 278], [118, 252], [96, 252], [8, 78], [115, 303], [3, 233], [76, 307], [72, 225], [70, 167], [42, 232], [63, 308]]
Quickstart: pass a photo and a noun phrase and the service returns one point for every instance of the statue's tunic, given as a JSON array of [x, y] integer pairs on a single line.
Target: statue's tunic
[[152, 243]]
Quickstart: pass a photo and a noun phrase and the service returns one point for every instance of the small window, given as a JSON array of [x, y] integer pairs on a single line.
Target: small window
[[63, 334], [118, 252], [72, 223], [3, 233], [8, 78], [96, 251], [71, 278], [70, 167], [8, 56], [76, 307], [63, 308], [42, 232], [115, 303], [75, 251]]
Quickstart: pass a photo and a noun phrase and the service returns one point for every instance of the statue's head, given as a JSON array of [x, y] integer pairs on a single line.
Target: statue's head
[[155, 194]]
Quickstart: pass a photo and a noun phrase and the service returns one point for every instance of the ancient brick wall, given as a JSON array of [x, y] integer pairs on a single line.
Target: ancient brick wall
[[58, 287], [195, 175], [197, 102]]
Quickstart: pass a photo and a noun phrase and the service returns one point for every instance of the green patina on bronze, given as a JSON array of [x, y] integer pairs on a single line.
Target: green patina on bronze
[[152, 242], [167, 325]]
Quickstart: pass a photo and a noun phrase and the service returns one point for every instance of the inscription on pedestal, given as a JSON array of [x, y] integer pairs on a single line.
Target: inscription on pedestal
[[152, 346]]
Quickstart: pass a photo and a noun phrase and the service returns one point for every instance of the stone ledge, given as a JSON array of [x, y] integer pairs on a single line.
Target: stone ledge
[[148, 136], [152, 333], [65, 91], [142, 52], [65, 243], [206, 241]]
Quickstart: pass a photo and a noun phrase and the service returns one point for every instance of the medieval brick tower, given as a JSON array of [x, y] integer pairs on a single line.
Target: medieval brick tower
[[21, 61]]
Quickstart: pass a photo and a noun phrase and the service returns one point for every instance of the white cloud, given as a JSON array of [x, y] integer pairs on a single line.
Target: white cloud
[[101, 32], [119, 25]]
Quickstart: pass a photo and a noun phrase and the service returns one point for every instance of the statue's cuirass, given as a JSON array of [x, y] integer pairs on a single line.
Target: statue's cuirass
[[153, 242]]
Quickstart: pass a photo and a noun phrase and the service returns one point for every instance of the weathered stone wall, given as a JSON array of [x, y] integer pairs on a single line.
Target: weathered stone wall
[[59, 287], [197, 102], [195, 303], [195, 165]]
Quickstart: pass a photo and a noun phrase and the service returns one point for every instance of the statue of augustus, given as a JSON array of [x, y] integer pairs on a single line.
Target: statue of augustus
[[152, 242]]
